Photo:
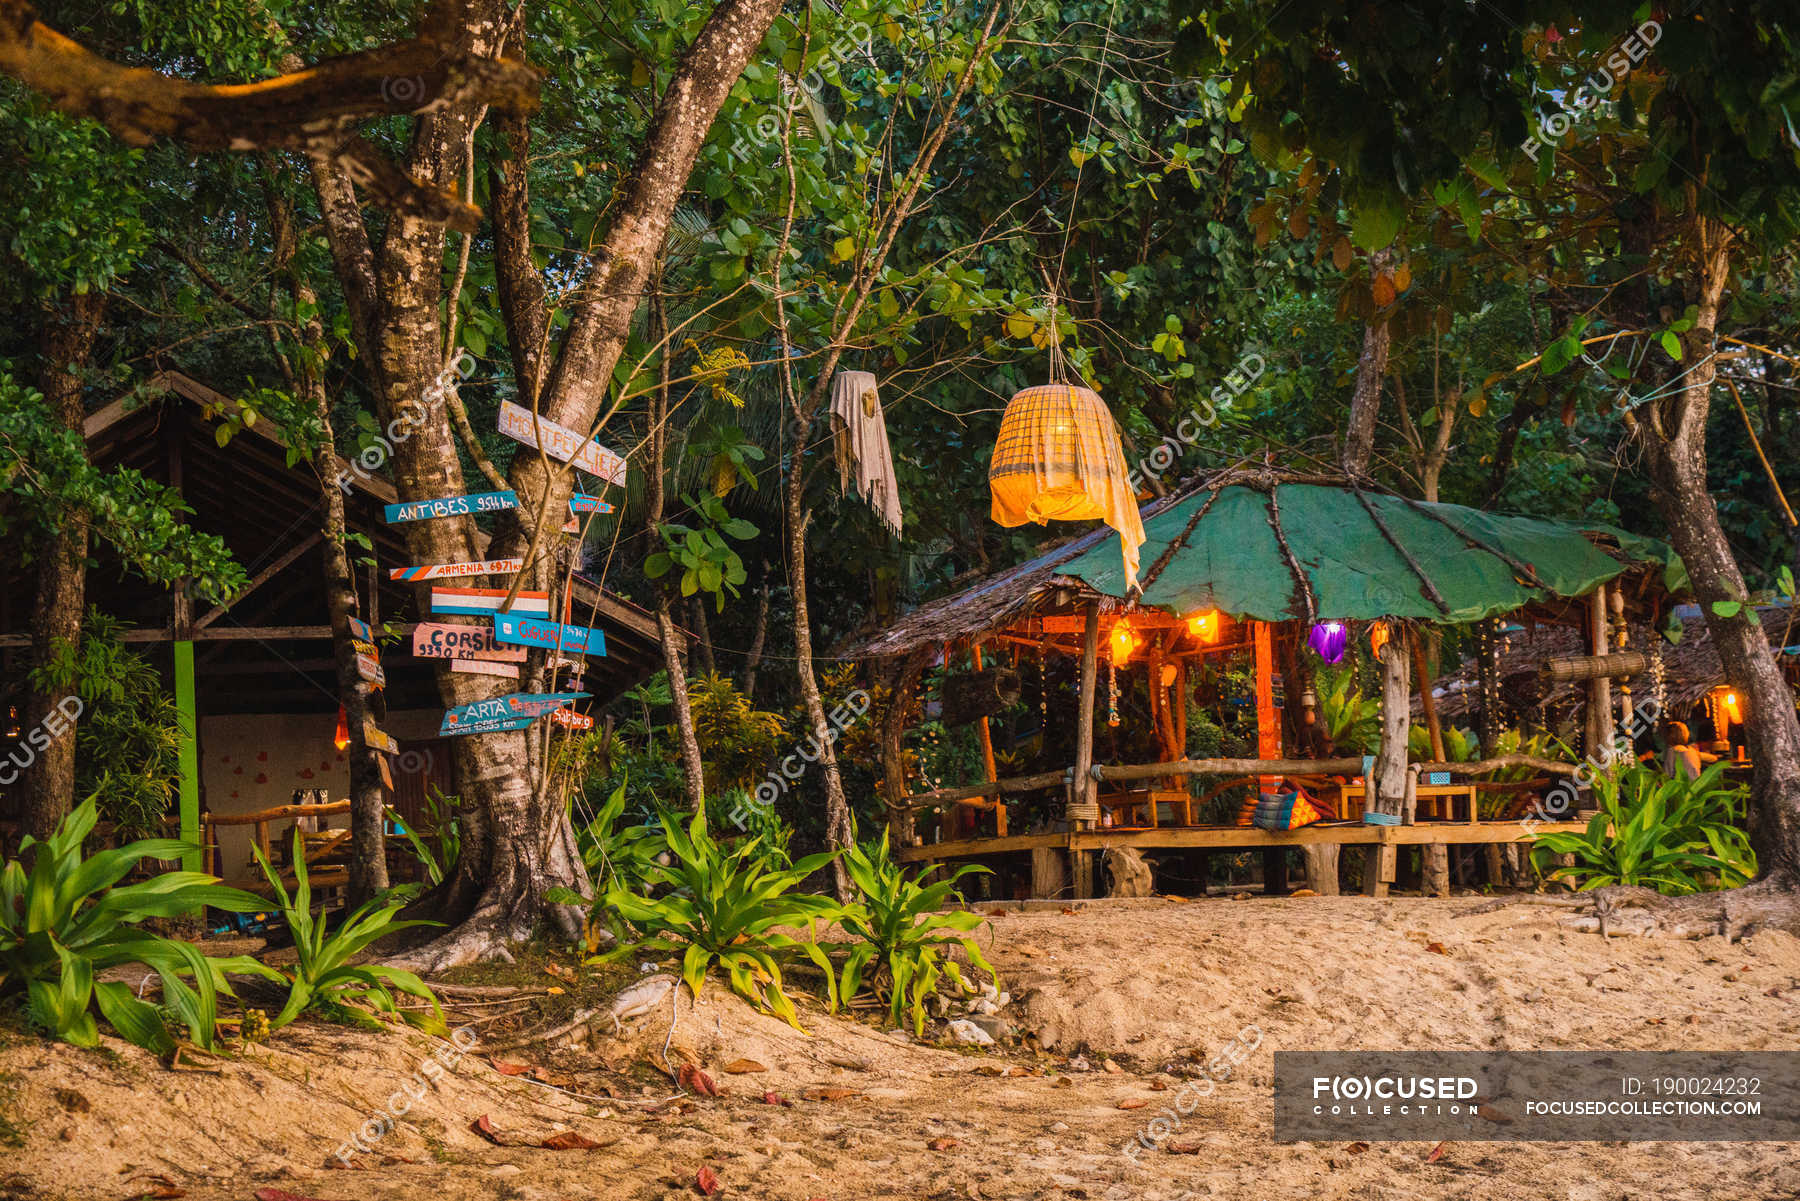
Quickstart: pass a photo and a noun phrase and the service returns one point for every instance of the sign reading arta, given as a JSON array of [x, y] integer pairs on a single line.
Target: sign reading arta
[[552, 635], [479, 602], [451, 506], [520, 707], [560, 442], [440, 640], [441, 571]]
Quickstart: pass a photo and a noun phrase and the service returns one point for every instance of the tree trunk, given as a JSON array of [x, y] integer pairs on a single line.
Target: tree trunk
[[697, 605], [903, 678], [1675, 439], [70, 329], [1365, 399], [758, 636]]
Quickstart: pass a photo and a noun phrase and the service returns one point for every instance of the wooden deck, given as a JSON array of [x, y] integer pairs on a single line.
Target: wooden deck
[[1438, 833]]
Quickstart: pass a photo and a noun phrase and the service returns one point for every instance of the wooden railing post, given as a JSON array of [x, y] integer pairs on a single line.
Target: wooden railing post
[[1084, 790]]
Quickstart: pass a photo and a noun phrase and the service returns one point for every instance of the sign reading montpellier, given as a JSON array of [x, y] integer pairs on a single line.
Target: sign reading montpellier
[[440, 571], [559, 441], [452, 506], [551, 635]]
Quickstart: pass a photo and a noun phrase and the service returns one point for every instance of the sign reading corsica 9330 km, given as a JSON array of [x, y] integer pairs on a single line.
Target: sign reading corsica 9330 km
[[451, 506]]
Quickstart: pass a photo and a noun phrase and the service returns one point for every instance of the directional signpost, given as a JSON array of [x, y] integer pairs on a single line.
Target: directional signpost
[[560, 442], [440, 640], [442, 571], [485, 667], [589, 504], [479, 602], [519, 708], [379, 740], [451, 506], [551, 635]]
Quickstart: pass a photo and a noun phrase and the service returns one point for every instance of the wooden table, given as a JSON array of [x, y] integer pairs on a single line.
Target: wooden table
[[1434, 801]]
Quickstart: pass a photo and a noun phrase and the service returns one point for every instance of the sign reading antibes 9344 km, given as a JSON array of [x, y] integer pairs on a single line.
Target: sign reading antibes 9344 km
[[451, 506]]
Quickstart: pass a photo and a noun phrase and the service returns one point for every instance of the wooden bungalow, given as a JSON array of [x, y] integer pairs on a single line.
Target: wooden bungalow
[[254, 679], [1244, 567]]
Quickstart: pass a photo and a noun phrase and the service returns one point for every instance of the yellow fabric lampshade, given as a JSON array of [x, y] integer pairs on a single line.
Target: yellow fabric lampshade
[[1058, 459]]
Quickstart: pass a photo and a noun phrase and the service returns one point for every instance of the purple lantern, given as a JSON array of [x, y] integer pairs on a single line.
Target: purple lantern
[[1329, 639]]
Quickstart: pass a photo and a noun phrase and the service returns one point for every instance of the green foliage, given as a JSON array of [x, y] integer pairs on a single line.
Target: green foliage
[[1669, 833], [737, 740], [1460, 745], [66, 918], [323, 975], [902, 933], [724, 911], [1351, 720], [625, 857], [708, 563]]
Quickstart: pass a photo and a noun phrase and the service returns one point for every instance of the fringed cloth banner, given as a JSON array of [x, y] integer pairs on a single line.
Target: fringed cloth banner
[[861, 442], [1058, 459]]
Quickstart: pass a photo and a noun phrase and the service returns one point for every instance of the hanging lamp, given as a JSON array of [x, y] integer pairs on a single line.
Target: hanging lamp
[[1203, 624], [1058, 458], [340, 737], [1328, 640]]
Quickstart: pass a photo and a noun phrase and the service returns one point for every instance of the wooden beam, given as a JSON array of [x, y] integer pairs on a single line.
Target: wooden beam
[[987, 753], [1084, 795], [262, 577], [963, 792], [1231, 767]]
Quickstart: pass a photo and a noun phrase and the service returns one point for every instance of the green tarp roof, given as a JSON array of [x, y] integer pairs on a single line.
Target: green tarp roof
[[1355, 554]]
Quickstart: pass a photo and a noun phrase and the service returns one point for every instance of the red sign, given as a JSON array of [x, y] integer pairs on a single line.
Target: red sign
[[439, 640], [571, 719]]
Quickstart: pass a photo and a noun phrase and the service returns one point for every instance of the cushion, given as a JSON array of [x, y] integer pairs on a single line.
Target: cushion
[[1288, 809]]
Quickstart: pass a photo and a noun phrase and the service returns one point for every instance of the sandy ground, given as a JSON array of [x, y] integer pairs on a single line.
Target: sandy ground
[[1155, 986]]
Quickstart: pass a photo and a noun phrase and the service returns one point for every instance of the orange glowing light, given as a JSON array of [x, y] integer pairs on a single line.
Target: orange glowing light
[[341, 738], [1124, 642], [1378, 637], [1731, 707], [1204, 625]]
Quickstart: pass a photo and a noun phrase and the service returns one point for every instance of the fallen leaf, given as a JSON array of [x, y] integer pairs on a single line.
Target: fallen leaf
[[553, 991], [691, 1077], [707, 1181], [1159, 1086], [1067, 912], [1062, 1082], [776, 1099], [996, 913], [1133, 1103], [1303, 892], [485, 1129], [569, 1140], [1176, 899], [990, 1069], [1437, 1153], [1357, 1148], [1183, 1146], [1436, 948], [848, 1062], [740, 1067], [271, 1193], [510, 1069], [830, 1094], [943, 1144]]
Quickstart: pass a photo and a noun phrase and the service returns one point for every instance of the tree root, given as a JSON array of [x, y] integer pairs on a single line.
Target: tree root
[[1772, 903]]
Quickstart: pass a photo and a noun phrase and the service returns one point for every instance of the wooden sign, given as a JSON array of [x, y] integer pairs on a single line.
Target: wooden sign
[[451, 506], [571, 719], [443, 571], [439, 640], [553, 635], [479, 602], [486, 667], [571, 526], [560, 442], [364, 648], [387, 776], [361, 630], [588, 504], [377, 739], [369, 668]]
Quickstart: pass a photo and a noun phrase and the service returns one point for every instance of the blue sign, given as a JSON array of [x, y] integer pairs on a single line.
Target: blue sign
[[500, 725], [589, 504], [452, 506], [549, 635]]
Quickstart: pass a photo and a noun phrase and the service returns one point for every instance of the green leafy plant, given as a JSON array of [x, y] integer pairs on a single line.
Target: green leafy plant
[[1351, 720], [66, 918], [323, 975], [1669, 833], [627, 856], [902, 933], [437, 847], [1460, 745], [707, 561], [725, 910]]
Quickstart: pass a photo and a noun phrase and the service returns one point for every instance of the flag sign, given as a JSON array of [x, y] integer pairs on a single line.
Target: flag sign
[[527, 631], [439, 640], [479, 602], [560, 442], [361, 630], [589, 504], [484, 667], [439, 571], [571, 719], [378, 740], [451, 506]]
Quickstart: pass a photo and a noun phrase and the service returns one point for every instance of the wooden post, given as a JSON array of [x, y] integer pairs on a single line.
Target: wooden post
[[987, 756], [893, 749], [1387, 782], [1268, 746], [1434, 857], [1084, 790], [188, 755], [1599, 705], [1322, 867]]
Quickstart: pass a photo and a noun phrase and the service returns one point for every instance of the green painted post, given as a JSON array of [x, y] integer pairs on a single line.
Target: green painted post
[[190, 754]]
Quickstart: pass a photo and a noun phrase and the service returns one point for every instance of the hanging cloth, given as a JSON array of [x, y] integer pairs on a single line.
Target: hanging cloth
[[1058, 458], [860, 437]]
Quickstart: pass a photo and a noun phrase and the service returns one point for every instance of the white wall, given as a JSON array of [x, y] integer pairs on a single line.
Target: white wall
[[253, 761]]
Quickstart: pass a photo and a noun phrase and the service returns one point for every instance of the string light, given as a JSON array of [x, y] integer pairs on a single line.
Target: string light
[[1112, 693]]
